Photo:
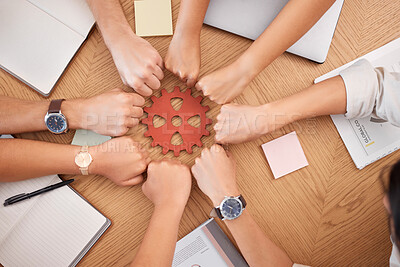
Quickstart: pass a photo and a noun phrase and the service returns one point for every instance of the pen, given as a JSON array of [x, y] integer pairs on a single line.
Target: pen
[[23, 196]]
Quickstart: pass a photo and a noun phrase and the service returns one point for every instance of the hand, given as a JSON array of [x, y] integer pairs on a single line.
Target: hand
[[121, 160], [138, 63], [111, 113], [168, 183], [183, 58], [240, 123], [225, 84], [215, 174]]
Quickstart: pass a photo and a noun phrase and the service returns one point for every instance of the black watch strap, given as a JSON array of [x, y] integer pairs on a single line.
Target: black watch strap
[[218, 212], [241, 198]]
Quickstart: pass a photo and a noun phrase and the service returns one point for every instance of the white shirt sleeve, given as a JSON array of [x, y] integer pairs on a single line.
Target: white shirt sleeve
[[395, 257], [372, 91]]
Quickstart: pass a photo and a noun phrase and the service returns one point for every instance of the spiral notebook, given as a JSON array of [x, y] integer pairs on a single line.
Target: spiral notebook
[[368, 141], [56, 228]]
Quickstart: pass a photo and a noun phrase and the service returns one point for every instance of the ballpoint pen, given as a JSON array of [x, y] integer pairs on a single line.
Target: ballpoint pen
[[23, 196]]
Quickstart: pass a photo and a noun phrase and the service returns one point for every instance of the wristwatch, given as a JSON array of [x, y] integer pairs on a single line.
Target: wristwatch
[[230, 208], [83, 160], [54, 119]]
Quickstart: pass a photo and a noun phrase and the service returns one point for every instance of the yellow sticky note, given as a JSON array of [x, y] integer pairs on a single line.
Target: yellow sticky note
[[153, 17]]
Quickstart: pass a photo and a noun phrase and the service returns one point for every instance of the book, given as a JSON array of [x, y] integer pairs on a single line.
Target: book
[[207, 245], [366, 140], [38, 38], [56, 228]]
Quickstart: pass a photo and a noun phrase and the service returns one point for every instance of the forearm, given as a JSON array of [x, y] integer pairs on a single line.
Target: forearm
[[191, 16], [158, 246], [255, 246], [324, 98], [37, 158], [18, 116], [294, 20], [110, 19]]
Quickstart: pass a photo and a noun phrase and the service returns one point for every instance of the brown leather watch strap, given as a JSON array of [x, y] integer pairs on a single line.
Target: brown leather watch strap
[[55, 106]]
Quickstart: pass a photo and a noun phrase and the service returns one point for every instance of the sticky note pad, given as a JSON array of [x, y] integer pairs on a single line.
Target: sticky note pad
[[153, 17], [88, 138], [285, 155]]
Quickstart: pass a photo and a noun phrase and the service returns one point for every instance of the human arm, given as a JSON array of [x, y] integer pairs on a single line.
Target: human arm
[[120, 159], [359, 91], [215, 174], [293, 21], [183, 56], [138, 63], [240, 123], [110, 113], [168, 187]]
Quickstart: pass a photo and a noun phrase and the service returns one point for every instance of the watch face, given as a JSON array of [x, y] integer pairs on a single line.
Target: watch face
[[83, 159], [56, 123], [231, 208]]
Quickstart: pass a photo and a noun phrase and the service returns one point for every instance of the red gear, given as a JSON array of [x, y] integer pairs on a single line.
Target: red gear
[[190, 107]]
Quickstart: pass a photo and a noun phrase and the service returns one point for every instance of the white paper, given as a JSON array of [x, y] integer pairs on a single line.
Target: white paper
[[368, 141]]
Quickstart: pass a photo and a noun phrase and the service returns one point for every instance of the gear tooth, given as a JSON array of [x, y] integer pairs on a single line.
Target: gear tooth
[[206, 133], [154, 98], [146, 109], [177, 88], [153, 144], [165, 150], [208, 121], [189, 150], [164, 91], [145, 121], [188, 91], [199, 143], [199, 98], [176, 152], [206, 108]]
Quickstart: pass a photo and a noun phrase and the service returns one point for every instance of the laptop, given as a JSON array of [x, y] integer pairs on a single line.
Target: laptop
[[249, 18], [39, 38]]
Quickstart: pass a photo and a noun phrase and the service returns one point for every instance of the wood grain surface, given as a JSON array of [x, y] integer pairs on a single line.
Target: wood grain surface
[[327, 214]]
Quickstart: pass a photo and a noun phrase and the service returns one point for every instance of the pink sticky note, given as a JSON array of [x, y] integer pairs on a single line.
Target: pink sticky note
[[285, 155]]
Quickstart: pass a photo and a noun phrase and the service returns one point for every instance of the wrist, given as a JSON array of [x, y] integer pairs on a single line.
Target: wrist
[[99, 160], [173, 207], [186, 32], [116, 38], [72, 110], [247, 65]]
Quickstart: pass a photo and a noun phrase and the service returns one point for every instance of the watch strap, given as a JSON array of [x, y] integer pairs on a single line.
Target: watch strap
[[216, 212], [85, 149], [55, 106], [241, 198]]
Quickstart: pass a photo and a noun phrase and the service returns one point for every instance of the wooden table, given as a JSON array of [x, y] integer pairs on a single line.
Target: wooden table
[[327, 214]]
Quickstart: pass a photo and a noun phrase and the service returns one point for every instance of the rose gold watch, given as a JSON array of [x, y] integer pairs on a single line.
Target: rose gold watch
[[83, 160]]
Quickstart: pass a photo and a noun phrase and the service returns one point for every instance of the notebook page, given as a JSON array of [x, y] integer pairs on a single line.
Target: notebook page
[[54, 231], [34, 46], [75, 14], [10, 215]]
